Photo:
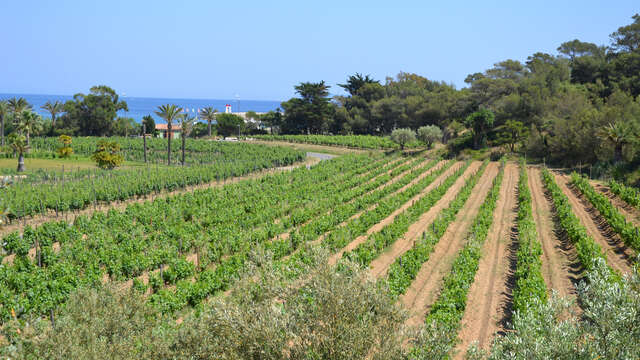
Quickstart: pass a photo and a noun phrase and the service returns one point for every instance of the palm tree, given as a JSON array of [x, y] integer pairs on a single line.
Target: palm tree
[[209, 114], [618, 134], [18, 143], [4, 110], [169, 113], [54, 109], [186, 125], [29, 124], [16, 107]]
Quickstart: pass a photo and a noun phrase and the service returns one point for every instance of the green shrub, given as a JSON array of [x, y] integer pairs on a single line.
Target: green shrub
[[429, 134], [403, 136], [107, 155], [65, 150]]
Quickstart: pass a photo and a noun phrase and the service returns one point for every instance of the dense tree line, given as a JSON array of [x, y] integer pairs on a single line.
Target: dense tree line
[[580, 105]]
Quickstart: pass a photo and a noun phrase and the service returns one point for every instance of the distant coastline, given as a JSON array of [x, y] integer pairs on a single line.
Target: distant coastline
[[140, 106]]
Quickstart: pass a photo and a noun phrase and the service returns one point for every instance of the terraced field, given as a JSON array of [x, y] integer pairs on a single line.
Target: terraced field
[[460, 246]]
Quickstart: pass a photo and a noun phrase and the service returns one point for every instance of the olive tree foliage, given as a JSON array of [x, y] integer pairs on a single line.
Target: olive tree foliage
[[335, 313], [608, 328], [403, 136], [429, 134], [95, 324], [328, 313]]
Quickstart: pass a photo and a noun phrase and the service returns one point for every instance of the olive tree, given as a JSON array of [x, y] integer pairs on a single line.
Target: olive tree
[[337, 313], [429, 134], [402, 137], [608, 326]]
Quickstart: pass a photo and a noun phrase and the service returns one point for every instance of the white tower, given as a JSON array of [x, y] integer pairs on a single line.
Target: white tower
[[227, 109]]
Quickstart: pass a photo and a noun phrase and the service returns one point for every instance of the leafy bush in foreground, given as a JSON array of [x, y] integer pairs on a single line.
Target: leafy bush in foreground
[[336, 315], [608, 328]]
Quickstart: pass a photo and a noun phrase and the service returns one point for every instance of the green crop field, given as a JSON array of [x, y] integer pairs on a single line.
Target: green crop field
[[416, 234]]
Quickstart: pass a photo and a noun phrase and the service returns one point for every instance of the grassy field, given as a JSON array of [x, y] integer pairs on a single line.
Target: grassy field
[[58, 164]]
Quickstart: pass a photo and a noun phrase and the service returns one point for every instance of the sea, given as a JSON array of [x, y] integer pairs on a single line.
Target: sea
[[141, 106]]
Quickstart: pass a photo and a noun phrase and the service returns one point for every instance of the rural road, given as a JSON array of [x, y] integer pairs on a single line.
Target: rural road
[[320, 156]]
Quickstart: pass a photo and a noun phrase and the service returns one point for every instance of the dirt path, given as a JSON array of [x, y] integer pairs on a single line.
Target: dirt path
[[561, 268], [379, 226], [630, 213], [489, 295], [619, 256], [380, 266], [425, 288]]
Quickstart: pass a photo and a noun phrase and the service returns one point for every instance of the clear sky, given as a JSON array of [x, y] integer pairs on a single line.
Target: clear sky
[[261, 49]]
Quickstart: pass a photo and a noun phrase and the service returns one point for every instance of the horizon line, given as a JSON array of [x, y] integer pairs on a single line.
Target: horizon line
[[146, 97]]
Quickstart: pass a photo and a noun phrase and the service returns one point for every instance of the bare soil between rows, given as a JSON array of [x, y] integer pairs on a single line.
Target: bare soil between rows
[[561, 268], [333, 259], [630, 213], [399, 162], [372, 207], [380, 266], [424, 290], [619, 256], [489, 298]]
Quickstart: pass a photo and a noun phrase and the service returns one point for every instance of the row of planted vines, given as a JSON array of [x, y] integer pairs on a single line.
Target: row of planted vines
[[184, 251], [197, 152], [628, 232], [63, 192], [217, 227], [352, 141]]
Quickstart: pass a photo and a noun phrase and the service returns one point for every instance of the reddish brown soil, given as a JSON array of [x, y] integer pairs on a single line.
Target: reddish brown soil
[[619, 256], [489, 294], [561, 268], [425, 288], [380, 265], [379, 226]]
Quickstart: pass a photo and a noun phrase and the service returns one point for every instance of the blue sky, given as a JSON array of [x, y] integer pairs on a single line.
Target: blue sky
[[261, 49]]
